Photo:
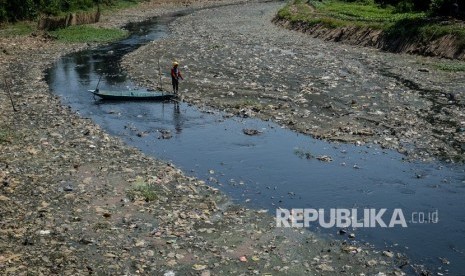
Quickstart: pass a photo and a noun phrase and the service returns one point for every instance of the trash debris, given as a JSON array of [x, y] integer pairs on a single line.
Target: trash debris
[[165, 134], [388, 254], [324, 158], [199, 267], [44, 232], [251, 132]]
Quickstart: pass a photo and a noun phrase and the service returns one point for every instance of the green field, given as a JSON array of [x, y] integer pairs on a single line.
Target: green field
[[20, 28], [337, 13], [84, 33], [364, 12]]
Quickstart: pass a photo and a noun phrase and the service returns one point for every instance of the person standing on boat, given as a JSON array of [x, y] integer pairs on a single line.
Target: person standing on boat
[[175, 76]]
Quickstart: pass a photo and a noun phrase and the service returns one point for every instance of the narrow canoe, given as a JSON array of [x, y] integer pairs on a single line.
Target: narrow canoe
[[132, 95]]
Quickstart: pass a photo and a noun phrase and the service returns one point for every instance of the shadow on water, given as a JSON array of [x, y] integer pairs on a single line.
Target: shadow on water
[[276, 168]]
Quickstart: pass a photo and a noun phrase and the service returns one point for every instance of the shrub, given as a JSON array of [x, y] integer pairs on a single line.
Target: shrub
[[455, 8], [17, 10]]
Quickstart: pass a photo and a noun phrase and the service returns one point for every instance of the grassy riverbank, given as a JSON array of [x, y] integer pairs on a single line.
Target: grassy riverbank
[[394, 24], [335, 13], [73, 34], [85, 33]]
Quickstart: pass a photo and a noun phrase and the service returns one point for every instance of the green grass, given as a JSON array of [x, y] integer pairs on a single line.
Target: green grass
[[304, 11], [451, 66], [368, 12], [425, 29], [434, 31], [5, 134], [334, 14], [17, 29], [84, 33], [142, 190]]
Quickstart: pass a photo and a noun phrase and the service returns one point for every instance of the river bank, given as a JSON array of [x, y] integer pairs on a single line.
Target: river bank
[[238, 61], [382, 27], [76, 201]]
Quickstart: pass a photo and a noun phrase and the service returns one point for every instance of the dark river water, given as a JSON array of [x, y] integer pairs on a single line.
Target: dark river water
[[272, 170]]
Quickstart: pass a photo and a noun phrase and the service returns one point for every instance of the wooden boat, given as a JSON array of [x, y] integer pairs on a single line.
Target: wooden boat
[[131, 95]]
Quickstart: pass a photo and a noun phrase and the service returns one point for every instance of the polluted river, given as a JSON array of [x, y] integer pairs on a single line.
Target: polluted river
[[277, 168]]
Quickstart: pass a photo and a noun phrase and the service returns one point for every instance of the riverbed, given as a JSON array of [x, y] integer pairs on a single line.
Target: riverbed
[[237, 60], [278, 168]]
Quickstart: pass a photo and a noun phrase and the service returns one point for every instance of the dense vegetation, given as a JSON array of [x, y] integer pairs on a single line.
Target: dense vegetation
[[455, 8], [16, 10]]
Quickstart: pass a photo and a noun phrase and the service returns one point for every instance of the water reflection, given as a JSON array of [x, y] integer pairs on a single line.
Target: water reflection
[[177, 118]]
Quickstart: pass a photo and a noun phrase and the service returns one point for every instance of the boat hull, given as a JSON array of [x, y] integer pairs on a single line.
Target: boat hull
[[132, 95]]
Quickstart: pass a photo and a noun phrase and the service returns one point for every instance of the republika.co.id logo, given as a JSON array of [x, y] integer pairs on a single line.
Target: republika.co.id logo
[[355, 218]]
